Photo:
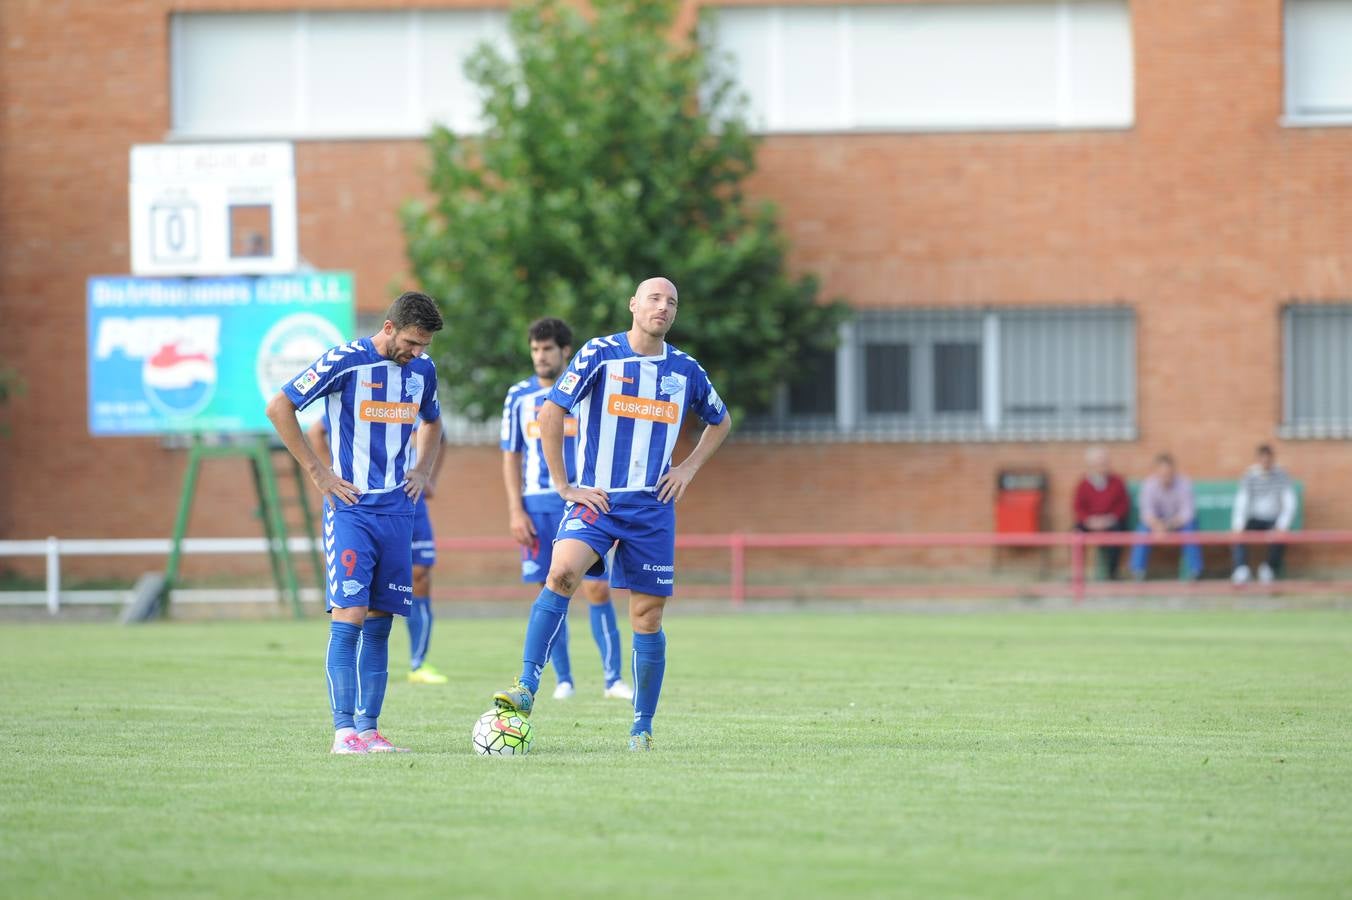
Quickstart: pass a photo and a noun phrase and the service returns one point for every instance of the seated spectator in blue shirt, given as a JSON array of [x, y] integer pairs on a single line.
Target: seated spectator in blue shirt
[[1166, 505]]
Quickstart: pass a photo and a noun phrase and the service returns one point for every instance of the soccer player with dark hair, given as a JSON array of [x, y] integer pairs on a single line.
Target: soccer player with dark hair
[[535, 508], [419, 617], [374, 389], [631, 393]]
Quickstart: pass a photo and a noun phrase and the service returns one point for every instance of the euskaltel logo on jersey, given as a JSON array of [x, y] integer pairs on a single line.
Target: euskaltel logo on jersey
[[179, 379]]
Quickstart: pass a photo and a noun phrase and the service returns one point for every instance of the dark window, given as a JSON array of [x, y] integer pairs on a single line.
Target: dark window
[[957, 377], [887, 378], [813, 392]]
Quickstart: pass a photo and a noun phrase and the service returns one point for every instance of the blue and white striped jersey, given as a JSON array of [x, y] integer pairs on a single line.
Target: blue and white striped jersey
[[371, 405], [630, 409], [521, 434]]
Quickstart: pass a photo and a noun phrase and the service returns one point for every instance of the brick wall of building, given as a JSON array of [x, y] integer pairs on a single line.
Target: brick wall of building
[[1206, 217]]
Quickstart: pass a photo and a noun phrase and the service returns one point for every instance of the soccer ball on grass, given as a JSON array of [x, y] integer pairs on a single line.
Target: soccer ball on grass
[[502, 733]]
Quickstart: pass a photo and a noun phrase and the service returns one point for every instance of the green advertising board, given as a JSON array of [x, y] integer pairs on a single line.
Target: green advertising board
[[174, 355]]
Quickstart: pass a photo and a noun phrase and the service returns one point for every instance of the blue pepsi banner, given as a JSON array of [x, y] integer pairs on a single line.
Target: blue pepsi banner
[[169, 355]]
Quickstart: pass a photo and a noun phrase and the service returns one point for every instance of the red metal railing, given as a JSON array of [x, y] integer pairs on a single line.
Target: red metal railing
[[1077, 543]]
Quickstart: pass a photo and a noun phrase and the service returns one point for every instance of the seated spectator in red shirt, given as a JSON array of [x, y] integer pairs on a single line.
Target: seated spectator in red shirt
[[1101, 504]]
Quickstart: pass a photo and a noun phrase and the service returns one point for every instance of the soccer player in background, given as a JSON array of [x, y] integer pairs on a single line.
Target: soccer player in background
[[535, 508], [419, 617], [373, 390], [631, 392]]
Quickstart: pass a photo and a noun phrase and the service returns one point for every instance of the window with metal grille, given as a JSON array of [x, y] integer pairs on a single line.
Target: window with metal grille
[[1317, 370], [957, 378], [1067, 370], [813, 393], [887, 378], [1007, 373]]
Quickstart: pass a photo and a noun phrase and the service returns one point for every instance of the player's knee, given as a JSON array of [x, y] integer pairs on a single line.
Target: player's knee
[[562, 581], [645, 613], [352, 615], [649, 622]]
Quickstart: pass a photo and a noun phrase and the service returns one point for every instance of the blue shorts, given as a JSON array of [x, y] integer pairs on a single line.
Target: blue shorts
[[535, 560], [643, 532], [424, 543], [369, 558]]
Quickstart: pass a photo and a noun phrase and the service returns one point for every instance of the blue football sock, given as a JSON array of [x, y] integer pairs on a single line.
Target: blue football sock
[[546, 618], [419, 631], [558, 654], [650, 663], [341, 667], [607, 633], [373, 663]]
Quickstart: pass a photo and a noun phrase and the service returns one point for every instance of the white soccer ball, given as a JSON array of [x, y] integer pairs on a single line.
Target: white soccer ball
[[502, 733]]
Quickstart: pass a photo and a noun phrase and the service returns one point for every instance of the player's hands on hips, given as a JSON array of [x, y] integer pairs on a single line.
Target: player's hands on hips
[[415, 483], [671, 486], [430, 489], [523, 530], [334, 488], [594, 499]]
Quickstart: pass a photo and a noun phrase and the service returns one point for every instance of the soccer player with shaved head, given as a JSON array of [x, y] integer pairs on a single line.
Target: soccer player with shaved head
[[630, 392], [534, 507]]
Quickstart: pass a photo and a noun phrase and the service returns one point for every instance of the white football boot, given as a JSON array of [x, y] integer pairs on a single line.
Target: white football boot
[[347, 742], [619, 691]]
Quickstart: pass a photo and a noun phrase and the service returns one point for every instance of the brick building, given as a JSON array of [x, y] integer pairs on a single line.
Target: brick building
[[1062, 222]]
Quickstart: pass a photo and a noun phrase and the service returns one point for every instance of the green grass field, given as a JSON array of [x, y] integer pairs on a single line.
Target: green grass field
[[1003, 755]]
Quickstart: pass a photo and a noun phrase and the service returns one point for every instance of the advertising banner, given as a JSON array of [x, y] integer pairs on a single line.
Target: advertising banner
[[172, 355]]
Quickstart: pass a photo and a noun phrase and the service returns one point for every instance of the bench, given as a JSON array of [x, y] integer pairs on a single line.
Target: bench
[[1215, 503]]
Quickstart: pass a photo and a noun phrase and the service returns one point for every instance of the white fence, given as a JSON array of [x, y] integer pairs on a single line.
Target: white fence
[[53, 549]]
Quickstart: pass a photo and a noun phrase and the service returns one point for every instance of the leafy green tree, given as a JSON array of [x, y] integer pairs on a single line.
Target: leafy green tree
[[613, 149]]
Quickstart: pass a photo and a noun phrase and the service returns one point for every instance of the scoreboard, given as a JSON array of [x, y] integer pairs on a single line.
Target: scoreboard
[[213, 209]]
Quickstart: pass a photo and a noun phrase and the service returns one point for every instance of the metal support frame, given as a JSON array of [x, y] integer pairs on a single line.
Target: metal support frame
[[260, 458]]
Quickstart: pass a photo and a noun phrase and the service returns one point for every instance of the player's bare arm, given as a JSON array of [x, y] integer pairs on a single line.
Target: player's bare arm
[[523, 531], [431, 489], [671, 486], [550, 419], [429, 448], [282, 413], [318, 436]]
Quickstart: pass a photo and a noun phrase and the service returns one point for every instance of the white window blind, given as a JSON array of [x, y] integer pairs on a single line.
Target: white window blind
[[1052, 64], [327, 74], [1319, 60]]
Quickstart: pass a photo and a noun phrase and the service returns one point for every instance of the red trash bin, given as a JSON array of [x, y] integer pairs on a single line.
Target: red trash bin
[[1019, 501]]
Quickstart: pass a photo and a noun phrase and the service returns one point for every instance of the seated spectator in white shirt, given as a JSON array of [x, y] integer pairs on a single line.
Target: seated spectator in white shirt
[[1266, 501]]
